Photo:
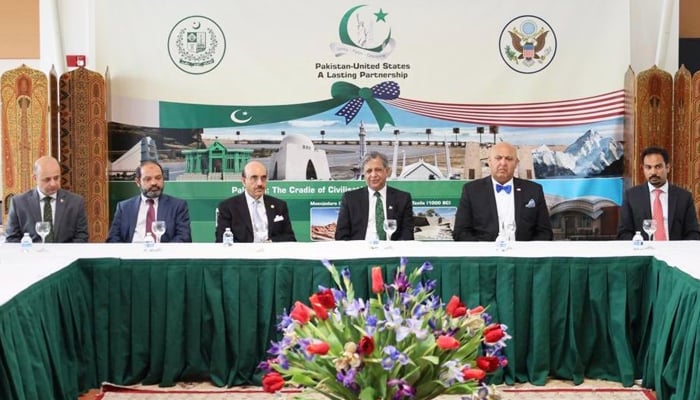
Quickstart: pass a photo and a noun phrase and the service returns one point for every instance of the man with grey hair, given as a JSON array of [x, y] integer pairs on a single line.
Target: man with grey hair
[[363, 210]]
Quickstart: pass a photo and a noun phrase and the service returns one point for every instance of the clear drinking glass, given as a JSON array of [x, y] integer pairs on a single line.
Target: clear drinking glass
[[649, 226], [510, 233], [158, 229], [42, 229], [260, 234], [389, 228]]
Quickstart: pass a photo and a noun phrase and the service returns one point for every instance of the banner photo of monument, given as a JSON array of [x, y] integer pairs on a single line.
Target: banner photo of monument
[[432, 86]]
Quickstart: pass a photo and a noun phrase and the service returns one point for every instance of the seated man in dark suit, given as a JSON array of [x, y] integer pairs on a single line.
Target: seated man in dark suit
[[133, 217], [363, 210], [671, 206], [489, 204], [253, 216], [47, 202]]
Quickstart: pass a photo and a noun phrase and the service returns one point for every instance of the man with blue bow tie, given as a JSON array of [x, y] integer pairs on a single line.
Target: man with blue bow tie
[[490, 204]]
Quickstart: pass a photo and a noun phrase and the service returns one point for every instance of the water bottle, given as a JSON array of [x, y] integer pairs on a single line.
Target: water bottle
[[228, 238], [373, 241], [149, 243], [637, 241], [502, 241], [26, 243]]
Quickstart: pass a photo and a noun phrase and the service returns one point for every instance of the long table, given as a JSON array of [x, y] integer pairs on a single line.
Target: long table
[[77, 315]]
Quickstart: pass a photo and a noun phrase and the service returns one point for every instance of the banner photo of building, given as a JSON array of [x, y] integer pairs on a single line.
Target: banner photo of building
[[309, 88]]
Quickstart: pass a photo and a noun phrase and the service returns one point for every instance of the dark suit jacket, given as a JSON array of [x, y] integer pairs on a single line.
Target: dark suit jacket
[[233, 213], [172, 210], [477, 214], [354, 213], [636, 207], [70, 221]]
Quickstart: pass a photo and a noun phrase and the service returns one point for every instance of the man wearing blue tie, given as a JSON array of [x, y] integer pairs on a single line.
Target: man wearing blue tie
[[499, 200]]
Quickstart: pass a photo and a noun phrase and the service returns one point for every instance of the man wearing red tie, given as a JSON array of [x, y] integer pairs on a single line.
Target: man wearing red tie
[[498, 201], [672, 207]]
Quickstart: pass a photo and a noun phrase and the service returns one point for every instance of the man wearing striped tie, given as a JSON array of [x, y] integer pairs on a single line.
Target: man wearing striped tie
[[671, 206], [363, 210], [49, 203]]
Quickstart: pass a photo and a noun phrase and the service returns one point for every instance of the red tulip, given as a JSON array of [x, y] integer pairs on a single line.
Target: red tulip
[[473, 373], [447, 342], [301, 313], [325, 297], [377, 280], [493, 333], [320, 348], [366, 345], [455, 308], [272, 382], [475, 310], [319, 309], [487, 363]]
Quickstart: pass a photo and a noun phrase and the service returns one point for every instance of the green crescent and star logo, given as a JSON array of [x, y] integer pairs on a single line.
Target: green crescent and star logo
[[364, 30]]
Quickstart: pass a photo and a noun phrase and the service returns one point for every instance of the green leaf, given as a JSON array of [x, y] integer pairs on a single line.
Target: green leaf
[[432, 359], [368, 393]]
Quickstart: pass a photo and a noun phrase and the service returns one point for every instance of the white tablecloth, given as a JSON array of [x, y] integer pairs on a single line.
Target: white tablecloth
[[19, 270]]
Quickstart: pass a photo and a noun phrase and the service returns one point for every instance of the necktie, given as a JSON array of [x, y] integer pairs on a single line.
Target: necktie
[[379, 216], [150, 216], [658, 216], [258, 226], [48, 217], [506, 188]]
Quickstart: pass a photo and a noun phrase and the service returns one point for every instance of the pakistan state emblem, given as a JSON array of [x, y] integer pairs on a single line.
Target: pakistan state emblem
[[528, 44], [196, 45]]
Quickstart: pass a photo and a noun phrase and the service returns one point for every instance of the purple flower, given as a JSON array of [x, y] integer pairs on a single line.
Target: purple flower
[[346, 273], [412, 326], [355, 308], [283, 362], [326, 263], [371, 325], [265, 366], [393, 356], [347, 378], [338, 295], [403, 389], [284, 321], [427, 266], [401, 283]]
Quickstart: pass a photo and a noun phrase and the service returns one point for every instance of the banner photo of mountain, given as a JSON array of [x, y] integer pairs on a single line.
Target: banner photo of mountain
[[309, 88]]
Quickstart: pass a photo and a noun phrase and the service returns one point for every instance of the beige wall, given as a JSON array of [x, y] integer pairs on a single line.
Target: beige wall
[[19, 28], [689, 19]]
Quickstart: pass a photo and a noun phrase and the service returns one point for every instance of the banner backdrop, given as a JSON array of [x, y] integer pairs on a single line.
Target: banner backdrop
[[310, 87]]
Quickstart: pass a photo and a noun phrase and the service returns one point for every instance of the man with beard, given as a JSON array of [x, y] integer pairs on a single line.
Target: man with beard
[[48, 202], [671, 206], [252, 215], [133, 216]]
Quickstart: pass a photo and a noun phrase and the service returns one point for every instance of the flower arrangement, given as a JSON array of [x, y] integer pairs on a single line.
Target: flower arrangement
[[403, 344]]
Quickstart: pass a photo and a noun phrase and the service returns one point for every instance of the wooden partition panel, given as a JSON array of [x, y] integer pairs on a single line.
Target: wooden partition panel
[[24, 129], [83, 148]]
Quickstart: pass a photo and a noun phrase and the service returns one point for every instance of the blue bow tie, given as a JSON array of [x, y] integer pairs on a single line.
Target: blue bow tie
[[500, 187]]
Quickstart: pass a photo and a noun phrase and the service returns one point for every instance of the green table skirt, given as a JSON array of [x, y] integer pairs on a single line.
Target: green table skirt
[[164, 321]]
